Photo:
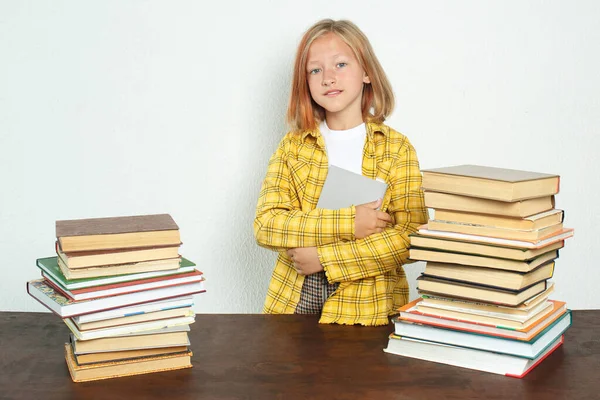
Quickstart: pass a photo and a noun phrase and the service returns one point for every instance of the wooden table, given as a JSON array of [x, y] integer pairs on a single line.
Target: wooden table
[[290, 357]]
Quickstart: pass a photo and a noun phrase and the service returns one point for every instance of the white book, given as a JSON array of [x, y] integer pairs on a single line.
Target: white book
[[344, 188], [64, 307], [170, 329], [186, 301], [480, 360], [130, 329]]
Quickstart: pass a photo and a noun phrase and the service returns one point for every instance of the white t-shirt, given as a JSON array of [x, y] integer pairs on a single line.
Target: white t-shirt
[[345, 148]]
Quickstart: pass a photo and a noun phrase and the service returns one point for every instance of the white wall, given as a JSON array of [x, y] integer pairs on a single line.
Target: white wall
[[114, 108]]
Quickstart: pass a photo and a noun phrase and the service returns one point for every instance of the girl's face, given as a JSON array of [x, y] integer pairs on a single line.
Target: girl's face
[[336, 79]]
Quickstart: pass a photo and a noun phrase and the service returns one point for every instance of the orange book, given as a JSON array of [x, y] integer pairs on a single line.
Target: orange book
[[466, 323]]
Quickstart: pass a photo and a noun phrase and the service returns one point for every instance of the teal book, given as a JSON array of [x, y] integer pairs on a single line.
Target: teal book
[[50, 269]]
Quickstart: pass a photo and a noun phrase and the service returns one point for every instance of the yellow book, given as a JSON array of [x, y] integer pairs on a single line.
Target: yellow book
[[93, 358], [490, 277], [492, 231], [416, 253], [520, 209], [132, 342], [479, 249], [169, 264], [532, 222]]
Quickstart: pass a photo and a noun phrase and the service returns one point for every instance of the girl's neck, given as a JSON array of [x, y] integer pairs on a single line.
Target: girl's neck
[[342, 123]]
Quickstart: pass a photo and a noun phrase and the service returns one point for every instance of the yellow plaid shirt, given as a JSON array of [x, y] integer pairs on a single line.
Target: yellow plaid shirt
[[372, 281]]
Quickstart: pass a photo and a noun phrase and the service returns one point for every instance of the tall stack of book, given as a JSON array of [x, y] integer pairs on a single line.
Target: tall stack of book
[[124, 292], [490, 250]]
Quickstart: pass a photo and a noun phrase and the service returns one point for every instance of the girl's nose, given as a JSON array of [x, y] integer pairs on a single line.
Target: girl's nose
[[328, 78], [328, 81]]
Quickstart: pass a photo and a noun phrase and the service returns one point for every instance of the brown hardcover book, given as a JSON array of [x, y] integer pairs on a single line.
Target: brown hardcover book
[[521, 209], [93, 358], [445, 287], [496, 278], [86, 259], [479, 249], [117, 232], [116, 369], [429, 255], [490, 183], [536, 221]]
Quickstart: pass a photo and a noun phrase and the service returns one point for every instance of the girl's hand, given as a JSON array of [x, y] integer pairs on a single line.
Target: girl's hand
[[369, 220], [306, 260]]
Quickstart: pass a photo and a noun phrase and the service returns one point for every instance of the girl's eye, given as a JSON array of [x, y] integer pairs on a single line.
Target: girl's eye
[[314, 71], [341, 65]]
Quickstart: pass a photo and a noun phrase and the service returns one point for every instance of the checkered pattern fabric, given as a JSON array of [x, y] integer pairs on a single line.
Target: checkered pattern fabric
[[315, 291]]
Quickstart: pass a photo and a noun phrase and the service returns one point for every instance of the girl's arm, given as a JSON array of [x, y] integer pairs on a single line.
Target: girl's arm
[[382, 252], [280, 224]]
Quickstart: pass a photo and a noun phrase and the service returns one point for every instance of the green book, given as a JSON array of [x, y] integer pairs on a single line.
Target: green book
[[51, 270]]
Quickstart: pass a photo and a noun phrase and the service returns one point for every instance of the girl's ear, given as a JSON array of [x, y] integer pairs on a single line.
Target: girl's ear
[[366, 79]]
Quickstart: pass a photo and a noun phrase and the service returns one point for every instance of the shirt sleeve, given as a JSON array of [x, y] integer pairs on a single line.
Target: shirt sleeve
[[381, 252], [280, 223]]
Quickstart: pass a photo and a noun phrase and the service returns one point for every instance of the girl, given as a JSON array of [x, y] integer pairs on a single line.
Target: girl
[[345, 264]]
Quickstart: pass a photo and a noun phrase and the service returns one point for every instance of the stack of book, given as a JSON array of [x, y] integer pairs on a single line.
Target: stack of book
[[124, 292], [490, 250]]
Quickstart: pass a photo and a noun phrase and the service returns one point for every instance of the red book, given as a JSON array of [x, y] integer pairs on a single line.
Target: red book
[[126, 287]]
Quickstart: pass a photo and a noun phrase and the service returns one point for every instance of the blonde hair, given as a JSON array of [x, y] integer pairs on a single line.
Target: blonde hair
[[377, 100]]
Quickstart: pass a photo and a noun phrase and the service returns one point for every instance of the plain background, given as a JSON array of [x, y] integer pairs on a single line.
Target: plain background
[[113, 108]]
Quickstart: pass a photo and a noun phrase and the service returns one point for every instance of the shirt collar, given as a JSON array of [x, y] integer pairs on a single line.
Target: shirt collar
[[372, 128]]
